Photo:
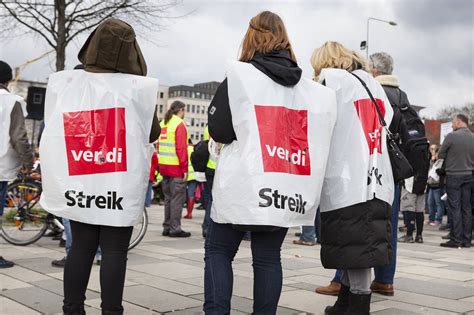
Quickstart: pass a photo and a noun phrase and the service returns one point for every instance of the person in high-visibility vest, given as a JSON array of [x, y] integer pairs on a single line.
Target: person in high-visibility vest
[[192, 184], [173, 163], [210, 170]]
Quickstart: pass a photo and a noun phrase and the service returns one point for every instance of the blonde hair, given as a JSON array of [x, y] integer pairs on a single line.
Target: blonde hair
[[266, 33], [335, 55]]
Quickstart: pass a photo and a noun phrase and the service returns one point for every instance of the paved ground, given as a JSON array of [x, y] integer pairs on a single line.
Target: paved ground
[[166, 275]]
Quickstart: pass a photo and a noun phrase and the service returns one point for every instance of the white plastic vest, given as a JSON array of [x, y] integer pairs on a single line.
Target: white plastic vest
[[10, 161], [273, 173], [359, 165], [95, 151]]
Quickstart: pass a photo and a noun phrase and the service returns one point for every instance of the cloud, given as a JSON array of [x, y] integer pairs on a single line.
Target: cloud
[[432, 45]]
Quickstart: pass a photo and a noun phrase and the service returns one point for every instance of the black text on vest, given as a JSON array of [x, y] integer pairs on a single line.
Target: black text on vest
[[280, 201], [102, 202]]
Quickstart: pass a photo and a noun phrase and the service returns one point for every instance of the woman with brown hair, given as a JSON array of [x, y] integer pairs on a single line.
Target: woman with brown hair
[[358, 184], [260, 111]]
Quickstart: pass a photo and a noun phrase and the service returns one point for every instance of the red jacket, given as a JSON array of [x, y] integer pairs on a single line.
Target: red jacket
[[154, 166], [182, 152]]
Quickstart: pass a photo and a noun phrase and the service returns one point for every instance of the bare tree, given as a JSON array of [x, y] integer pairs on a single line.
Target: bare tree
[[449, 112], [59, 22]]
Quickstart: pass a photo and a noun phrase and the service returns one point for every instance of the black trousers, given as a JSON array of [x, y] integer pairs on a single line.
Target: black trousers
[[458, 188], [114, 243]]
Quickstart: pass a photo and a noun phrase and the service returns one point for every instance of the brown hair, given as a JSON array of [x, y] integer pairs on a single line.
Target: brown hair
[[266, 33], [335, 55], [175, 107]]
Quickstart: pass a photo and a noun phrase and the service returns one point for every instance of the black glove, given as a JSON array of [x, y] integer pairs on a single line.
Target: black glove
[[441, 172]]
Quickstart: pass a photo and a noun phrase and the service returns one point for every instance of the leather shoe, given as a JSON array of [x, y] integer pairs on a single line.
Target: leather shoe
[[446, 237], [332, 289], [382, 288], [180, 234], [450, 244], [166, 233]]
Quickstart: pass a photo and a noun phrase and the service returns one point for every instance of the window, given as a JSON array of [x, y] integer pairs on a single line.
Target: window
[[193, 109], [161, 94], [203, 110], [198, 109], [192, 137], [203, 123], [188, 107], [37, 98], [192, 122], [161, 108], [198, 95]]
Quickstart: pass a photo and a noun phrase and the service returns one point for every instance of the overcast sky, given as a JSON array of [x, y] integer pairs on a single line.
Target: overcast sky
[[432, 45]]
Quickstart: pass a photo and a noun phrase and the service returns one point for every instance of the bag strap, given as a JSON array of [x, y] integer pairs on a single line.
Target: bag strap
[[382, 120]]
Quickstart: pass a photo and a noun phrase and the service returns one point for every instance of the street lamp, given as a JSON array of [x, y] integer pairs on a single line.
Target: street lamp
[[365, 45]]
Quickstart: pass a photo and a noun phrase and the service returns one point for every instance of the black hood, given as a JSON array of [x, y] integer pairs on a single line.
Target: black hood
[[278, 66]]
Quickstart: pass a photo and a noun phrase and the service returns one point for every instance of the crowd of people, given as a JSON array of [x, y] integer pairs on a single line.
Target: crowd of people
[[274, 136]]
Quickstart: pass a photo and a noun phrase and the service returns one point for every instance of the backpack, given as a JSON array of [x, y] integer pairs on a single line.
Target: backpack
[[200, 156], [416, 148]]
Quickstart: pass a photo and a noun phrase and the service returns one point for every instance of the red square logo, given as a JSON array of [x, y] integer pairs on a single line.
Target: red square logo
[[283, 139], [370, 122], [95, 141]]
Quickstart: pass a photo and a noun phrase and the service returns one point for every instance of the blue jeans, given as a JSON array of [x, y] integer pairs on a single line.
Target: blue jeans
[[3, 193], [191, 189], [149, 190], [208, 197], [435, 204], [222, 243], [458, 188], [67, 231], [385, 274], [310, 233]]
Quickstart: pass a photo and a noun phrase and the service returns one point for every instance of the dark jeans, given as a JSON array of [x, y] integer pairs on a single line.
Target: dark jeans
[[222, 243], [208, 197], [114, 243], [458, 188], [3, 192], [385, 274]]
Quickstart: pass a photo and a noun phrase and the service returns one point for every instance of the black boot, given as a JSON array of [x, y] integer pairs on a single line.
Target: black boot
[[411, 218], [359, 304], [73, 309], [342, 303]]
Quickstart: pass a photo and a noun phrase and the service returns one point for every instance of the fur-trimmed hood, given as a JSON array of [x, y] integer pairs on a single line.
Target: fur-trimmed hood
[[390, 80]]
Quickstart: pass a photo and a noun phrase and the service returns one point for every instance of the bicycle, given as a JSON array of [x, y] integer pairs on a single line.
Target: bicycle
[[24, 221]]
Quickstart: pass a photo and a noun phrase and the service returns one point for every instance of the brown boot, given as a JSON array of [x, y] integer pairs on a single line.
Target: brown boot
[[331, 289], [382, 288], [189, 208]]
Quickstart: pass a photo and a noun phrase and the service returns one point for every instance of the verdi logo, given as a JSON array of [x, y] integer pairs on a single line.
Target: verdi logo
[[95, 141], [370, 122], [283, 139]]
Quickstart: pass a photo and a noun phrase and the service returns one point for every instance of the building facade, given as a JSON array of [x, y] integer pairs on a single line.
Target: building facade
[[197, 99]]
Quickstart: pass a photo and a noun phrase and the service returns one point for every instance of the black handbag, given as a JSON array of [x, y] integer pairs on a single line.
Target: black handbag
[[401, 168]]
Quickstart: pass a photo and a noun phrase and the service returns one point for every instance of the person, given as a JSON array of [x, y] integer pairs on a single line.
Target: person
[[310, 235], [297, 111], [173, 163], [209, 173], [110, 90], [355, 226], [458, 151], [153, 168], [191, 185], [15, 150], [381, 68], [414, 206], [435, 204]]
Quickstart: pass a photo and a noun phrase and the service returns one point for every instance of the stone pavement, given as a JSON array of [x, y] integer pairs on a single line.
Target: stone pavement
[[166, 275]]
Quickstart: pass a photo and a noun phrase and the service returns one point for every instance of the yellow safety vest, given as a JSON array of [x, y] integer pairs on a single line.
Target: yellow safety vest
[[210, 163], [191, 175], [167, 141], [206, 133]]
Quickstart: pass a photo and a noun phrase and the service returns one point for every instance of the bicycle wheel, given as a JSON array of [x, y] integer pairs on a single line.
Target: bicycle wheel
[[139, 230], [23, 220]]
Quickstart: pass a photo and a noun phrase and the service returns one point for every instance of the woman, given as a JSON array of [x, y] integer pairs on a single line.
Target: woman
[[105, 186], [260, 109], [435, 204], [358, 184]]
